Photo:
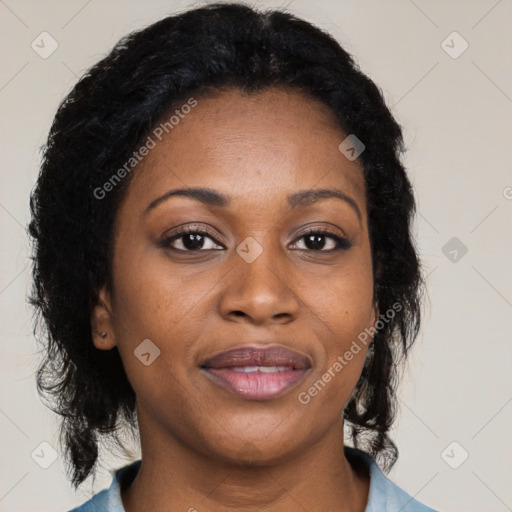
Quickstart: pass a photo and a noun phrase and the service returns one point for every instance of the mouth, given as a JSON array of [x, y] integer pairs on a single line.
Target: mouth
[[256, 373]]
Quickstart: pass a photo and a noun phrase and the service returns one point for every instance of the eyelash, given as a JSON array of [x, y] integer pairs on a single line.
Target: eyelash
[[342, 243]]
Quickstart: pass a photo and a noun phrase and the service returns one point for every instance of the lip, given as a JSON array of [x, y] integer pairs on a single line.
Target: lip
[[254, 355], [239, 370]]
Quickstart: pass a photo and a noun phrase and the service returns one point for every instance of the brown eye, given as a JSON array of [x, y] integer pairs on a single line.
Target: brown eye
[[324, 241], [191, 239]]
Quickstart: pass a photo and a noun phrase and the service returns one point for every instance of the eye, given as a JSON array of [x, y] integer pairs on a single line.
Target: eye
[[194, 239], [323, 241], [190, 239]]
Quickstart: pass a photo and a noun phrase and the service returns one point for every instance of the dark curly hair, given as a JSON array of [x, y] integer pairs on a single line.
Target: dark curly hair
[[108, 114]]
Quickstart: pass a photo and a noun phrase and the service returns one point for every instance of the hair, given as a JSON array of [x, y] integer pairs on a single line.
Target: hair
[[106, 117]]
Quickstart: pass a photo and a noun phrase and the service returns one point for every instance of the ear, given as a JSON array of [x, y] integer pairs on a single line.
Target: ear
[[103, 335]]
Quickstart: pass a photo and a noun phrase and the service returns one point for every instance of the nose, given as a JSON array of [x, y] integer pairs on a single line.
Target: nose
[[259, 292]]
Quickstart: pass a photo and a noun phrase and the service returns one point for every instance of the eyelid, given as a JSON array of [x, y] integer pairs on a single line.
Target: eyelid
[[188, 228], [335, 231]]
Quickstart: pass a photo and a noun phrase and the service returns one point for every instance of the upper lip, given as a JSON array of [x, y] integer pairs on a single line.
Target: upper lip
[[256, 356]]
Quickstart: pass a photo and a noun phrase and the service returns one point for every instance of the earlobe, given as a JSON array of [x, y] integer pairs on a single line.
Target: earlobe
[[102, 329]]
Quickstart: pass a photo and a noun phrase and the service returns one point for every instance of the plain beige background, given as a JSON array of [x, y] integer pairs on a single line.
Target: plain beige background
[[455, 107]]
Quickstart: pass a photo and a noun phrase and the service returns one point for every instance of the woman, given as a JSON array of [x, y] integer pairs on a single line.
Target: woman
[[224, 264]]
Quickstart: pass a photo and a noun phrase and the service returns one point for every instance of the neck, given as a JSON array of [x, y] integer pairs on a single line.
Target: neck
[[172, 475]]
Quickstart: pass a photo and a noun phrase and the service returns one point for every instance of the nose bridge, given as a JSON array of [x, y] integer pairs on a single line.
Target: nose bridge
[[258, 287]]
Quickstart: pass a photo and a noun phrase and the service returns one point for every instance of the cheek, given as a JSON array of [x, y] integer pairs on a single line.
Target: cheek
[[344, 313], [152, 296], [344, 303], [153, 302]]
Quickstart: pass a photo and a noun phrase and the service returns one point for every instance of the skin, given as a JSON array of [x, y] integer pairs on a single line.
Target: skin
[[205, 448]]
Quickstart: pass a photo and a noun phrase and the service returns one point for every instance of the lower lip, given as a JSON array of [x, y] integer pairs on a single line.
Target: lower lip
[[256, 386]]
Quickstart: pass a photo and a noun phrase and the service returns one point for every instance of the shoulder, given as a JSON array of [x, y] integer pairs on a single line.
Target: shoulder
[[98, 503], [109, 500], [384, 495]]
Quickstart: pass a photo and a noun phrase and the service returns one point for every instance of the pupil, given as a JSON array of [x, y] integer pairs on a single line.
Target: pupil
[[193, 241], [315, 241]]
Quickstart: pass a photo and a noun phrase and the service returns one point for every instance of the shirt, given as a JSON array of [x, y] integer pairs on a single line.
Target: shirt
[[384, 495]]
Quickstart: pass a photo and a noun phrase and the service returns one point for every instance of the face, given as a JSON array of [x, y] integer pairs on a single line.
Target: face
[[263, 293]]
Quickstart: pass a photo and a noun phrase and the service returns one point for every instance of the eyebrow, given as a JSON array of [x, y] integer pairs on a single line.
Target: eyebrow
[[211, 197]]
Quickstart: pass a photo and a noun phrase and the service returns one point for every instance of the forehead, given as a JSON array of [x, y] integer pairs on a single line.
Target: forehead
[[249, 147]]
